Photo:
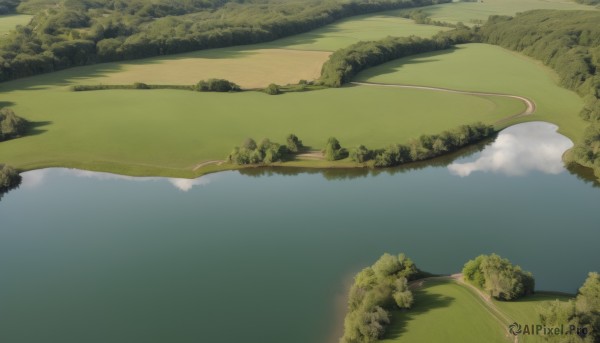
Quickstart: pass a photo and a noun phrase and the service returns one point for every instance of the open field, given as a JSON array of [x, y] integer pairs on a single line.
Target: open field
[[249, 68], [171, 129], [488, 68], [526, 311], [10, 21], [283, 61], [476, 12], [445, 311]]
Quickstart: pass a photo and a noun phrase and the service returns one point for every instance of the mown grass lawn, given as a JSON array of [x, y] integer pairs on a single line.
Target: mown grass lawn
[[489, 68], [445, 311]]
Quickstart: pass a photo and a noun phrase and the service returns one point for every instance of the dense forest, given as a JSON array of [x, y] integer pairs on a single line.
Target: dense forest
[[377, 290], [568, 42], [498, 277], [69, 33]]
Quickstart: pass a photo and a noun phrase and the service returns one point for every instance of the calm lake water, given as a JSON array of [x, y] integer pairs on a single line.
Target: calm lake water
[[265, 256]]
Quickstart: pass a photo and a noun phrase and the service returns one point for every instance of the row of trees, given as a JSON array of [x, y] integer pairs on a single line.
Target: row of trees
[[11, 126], [568, 42], [266, 152], [426, 147], [500, 278], [343, 64], [581, 312], [377, 290], [90, 31]]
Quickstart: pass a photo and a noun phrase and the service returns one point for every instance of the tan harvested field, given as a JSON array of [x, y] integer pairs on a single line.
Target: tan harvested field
[[252, 68]]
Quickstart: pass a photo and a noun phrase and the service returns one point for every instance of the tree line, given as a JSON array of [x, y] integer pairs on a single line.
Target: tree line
[[266, 152], [378, 289], [569, 43], [89, 31]]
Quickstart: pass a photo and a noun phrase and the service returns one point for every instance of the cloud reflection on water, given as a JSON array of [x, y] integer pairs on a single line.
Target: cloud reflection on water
[[36, 178], [519, 150]]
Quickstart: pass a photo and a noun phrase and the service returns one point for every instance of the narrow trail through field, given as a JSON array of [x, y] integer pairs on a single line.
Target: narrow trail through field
[[485, 300], [530, 105], [207, 163]]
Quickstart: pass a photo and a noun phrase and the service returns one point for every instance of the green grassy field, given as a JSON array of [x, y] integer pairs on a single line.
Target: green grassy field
[[10, 21], [476, 12], [525, 311], [445, 311], [142, 131], [488, 68]]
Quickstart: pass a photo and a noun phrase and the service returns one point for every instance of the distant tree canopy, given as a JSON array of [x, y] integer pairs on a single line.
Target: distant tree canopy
[[568, 42], [582, 312], [9, 178], [376, 290], [588, 2], [498, 277], [66, 33], [11, 126]]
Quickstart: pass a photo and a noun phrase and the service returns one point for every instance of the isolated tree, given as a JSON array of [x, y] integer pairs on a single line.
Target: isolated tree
[[272, 89], [11, 126], [294, 144], [333, 150]]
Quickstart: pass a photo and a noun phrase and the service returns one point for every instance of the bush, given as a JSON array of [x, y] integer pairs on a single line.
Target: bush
[[294, 144], [11, 126], [9, 178], [272, 89], [333, 150], [360, 154]]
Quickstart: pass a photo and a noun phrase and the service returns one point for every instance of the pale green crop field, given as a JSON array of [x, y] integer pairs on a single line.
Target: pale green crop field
[[147, 130], [477, 12], [488, 68], [10, 21], [445, 311]]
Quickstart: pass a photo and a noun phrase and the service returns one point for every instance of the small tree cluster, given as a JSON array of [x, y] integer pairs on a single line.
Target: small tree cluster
[[11, 126], [499, 277], [376, 290], [250, 153], [360, 154], [217, 85]]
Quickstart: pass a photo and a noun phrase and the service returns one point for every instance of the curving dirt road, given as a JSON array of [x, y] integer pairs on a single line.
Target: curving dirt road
[[530, 105]]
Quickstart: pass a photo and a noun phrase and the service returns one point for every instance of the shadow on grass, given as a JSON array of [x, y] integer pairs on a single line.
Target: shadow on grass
[[35, 128], [424, 302], [396, 65]]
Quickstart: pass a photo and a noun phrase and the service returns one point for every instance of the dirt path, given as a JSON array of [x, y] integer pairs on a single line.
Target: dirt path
[[486, 301], [207, 163], [530, 105], [311, 155]]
